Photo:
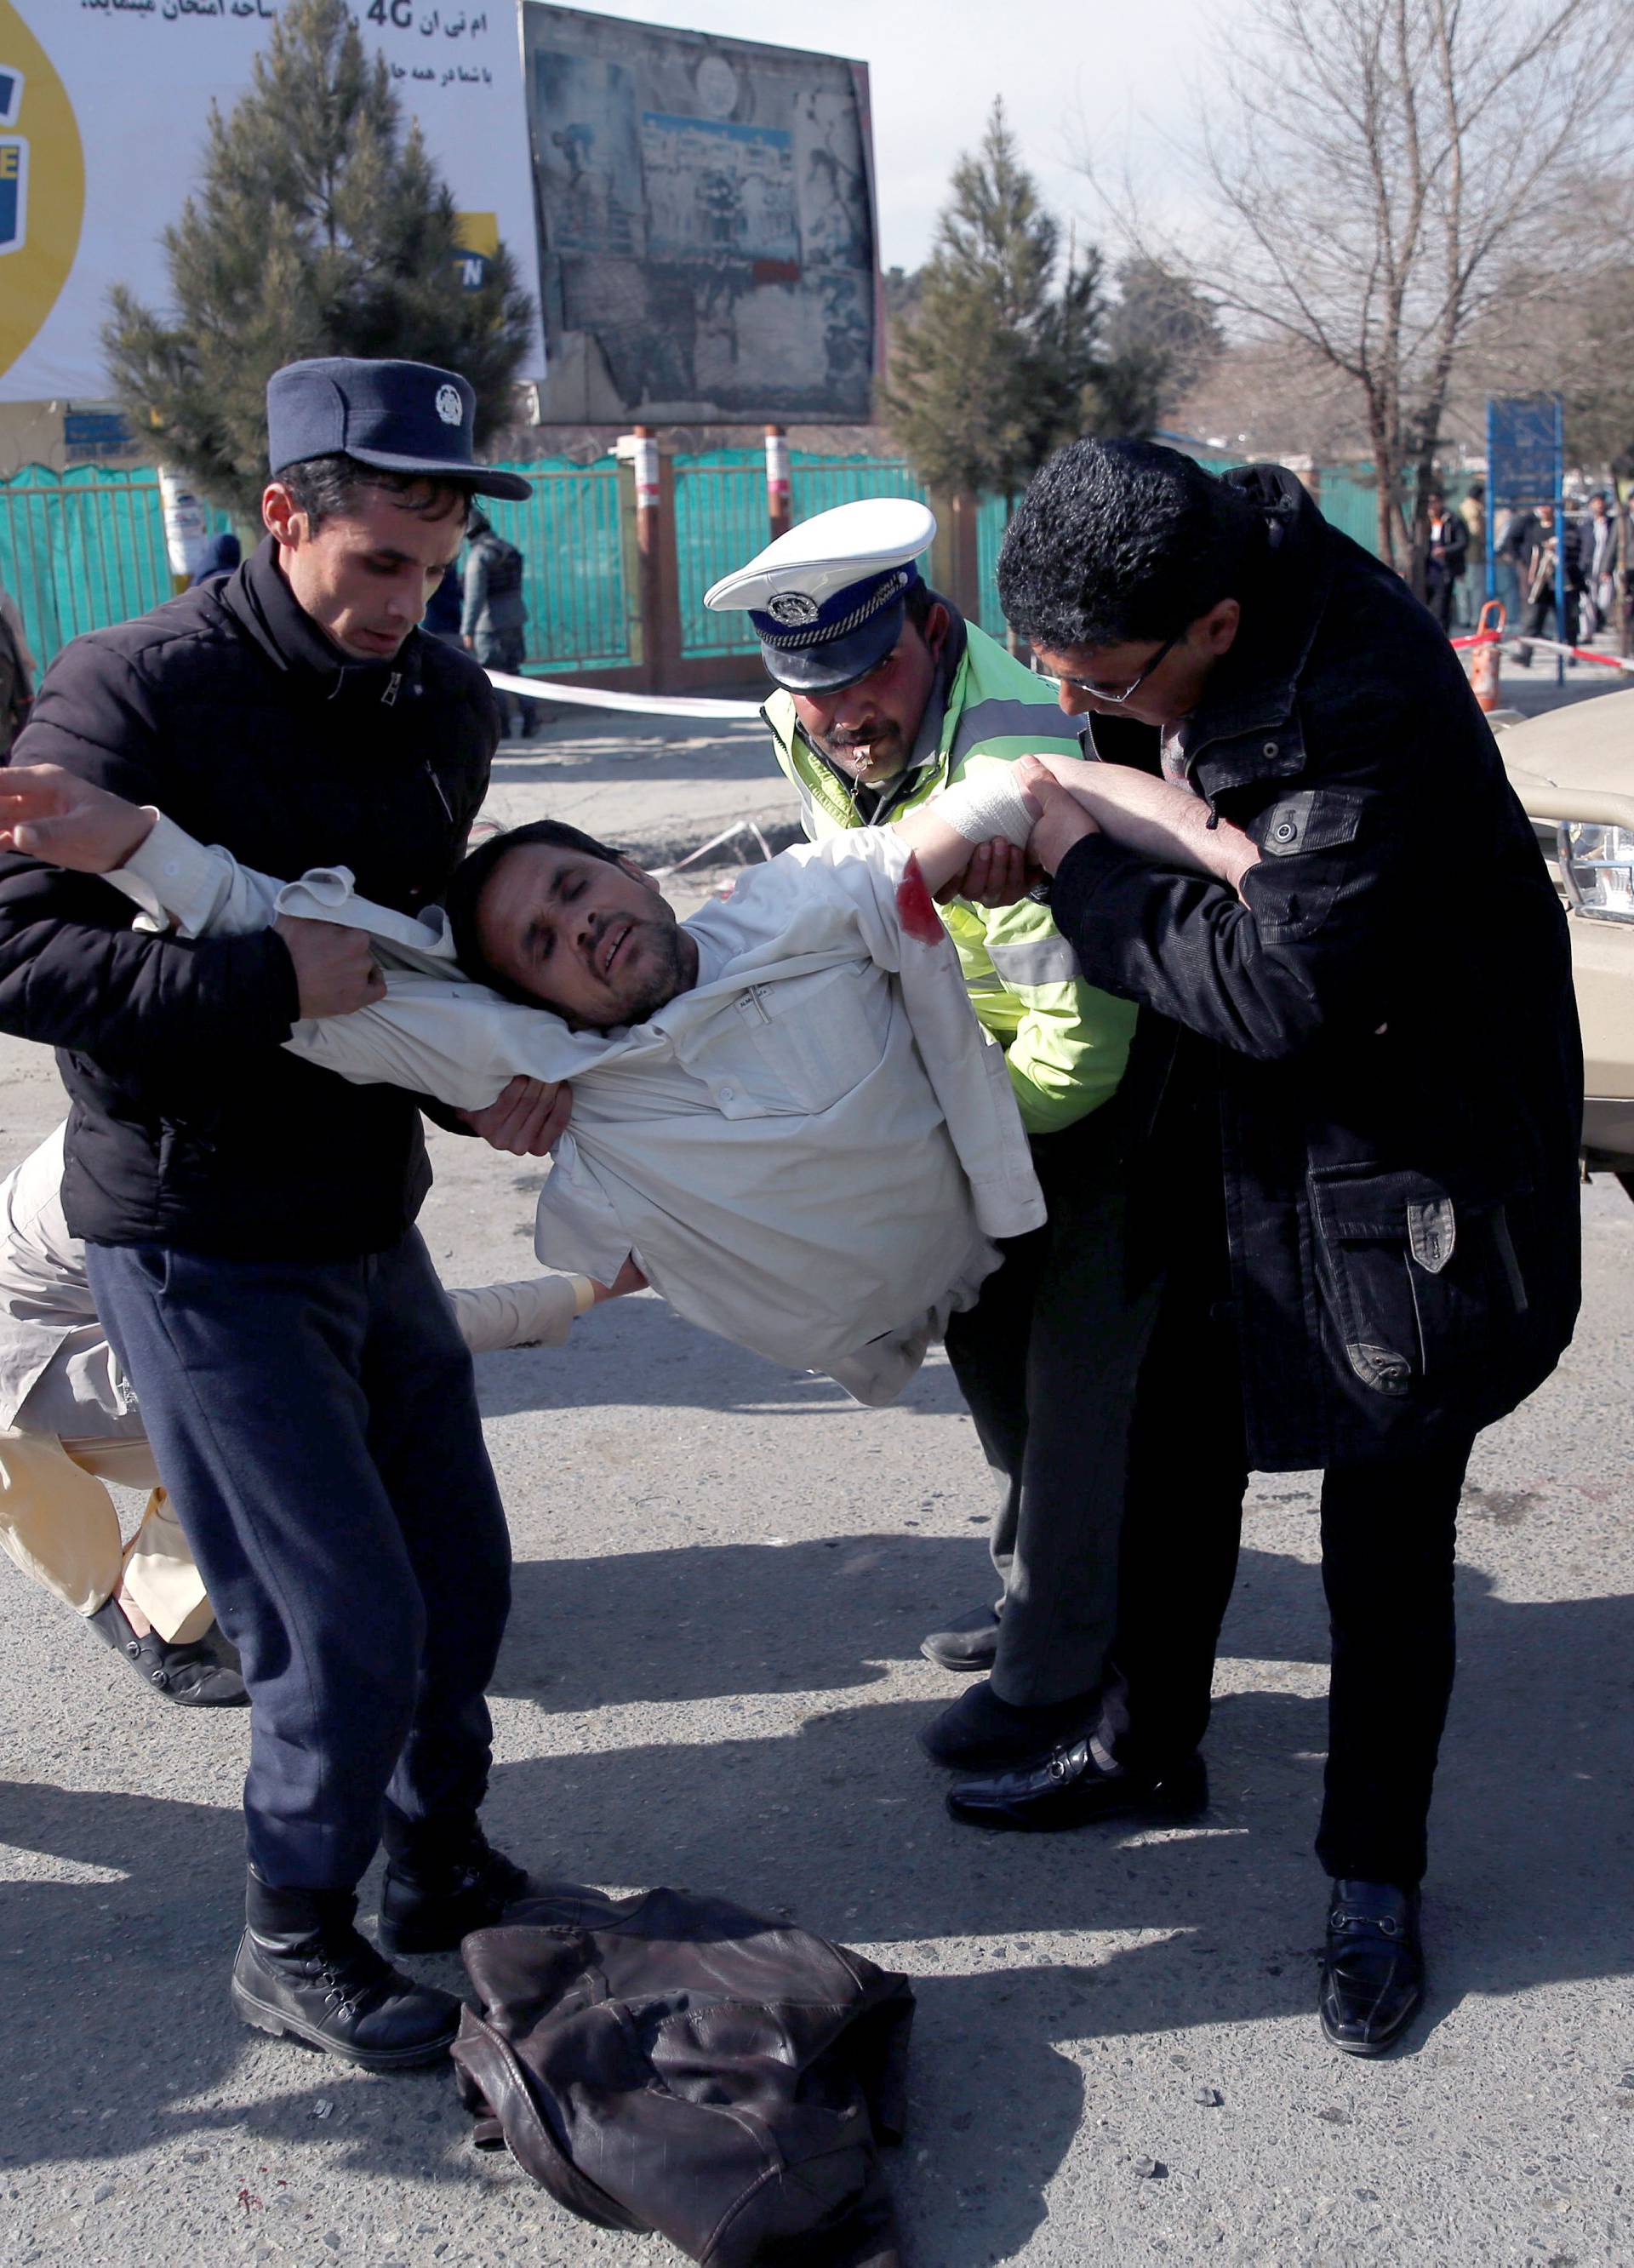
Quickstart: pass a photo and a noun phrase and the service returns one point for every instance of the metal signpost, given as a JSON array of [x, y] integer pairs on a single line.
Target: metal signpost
[[1526, 453]]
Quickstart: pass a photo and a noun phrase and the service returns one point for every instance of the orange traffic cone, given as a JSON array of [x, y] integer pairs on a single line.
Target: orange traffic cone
[[1483, 657]]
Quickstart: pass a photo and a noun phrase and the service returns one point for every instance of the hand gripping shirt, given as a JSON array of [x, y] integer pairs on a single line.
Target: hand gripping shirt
[[810, 1152]]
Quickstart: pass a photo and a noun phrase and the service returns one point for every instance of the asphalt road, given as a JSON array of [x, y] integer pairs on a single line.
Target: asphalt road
[[712, 1679]]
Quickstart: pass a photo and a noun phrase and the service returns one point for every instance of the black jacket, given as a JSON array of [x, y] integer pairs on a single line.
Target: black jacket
[[231, 711], [1454, 558], [674, 2062], [1384, 1033]]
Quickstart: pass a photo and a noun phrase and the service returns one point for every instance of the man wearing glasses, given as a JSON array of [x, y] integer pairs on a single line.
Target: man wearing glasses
[[1356, 1088], [885, 696]]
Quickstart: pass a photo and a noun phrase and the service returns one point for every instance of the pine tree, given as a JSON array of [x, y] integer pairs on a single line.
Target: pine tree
[[1004, 356], [1164, 330], [320, 227]]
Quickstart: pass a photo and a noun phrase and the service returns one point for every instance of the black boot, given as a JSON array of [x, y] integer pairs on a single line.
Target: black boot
[[194, 1676], [1373, 1967], [435, 1893], [303, 1970]]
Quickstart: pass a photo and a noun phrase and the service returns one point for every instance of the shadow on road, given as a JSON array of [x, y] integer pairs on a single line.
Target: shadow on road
[[707, 1621], [638, 1353], [112, 1991]]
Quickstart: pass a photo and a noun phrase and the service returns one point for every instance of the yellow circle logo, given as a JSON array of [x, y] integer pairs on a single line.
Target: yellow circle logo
[[42, 186]]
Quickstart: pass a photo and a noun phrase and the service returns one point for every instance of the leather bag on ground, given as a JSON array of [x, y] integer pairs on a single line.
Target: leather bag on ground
[[675, 2063]]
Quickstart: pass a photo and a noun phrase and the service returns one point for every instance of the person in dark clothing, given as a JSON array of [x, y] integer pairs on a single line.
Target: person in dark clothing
[[494, 617], [443, 609], [1359, 1102], [1446, 560], [220, 556], [249, 1219], [1596, 560], [1532, 543]]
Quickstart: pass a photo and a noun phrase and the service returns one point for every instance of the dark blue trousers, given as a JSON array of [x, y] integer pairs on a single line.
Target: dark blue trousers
[[316, 1428]]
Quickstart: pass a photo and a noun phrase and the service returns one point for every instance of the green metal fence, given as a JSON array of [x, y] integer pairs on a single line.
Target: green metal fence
[[820, 483], [992, 517], [84, 548], [81, 550], [571, 535], [722, 520]]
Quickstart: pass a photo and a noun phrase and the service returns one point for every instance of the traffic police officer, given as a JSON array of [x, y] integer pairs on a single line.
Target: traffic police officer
[[886, 695]]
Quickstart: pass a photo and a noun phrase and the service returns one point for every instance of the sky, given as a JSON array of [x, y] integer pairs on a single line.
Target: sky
[[1123, 67]]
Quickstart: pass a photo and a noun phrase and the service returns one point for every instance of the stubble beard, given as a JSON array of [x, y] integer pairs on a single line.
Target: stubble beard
[[674, 962]]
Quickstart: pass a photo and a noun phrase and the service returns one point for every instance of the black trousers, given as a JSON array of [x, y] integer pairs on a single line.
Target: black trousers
[[1387, 1538], [1541, 610], [504, 650], [1047, 1360], [317, 1427]]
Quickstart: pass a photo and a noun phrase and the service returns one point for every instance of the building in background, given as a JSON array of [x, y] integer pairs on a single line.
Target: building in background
[[707, 225]]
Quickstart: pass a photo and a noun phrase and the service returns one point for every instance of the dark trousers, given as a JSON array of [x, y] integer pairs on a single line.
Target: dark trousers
[[1047, 1360], [1541, 610], [503, 650], [1387, 1533], [317, 1430]]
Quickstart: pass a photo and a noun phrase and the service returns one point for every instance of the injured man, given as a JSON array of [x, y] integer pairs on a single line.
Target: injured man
[[784, 1110]]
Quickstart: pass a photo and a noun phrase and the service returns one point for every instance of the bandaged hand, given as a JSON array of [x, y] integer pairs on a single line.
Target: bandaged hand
[[992, 814], [991, 806]]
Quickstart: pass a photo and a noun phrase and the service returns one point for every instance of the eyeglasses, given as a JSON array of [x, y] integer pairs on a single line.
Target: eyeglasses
[[1110, 696]]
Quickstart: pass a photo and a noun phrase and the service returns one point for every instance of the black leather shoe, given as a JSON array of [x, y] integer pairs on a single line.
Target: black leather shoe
[[330, 1988], [979, 1732], [967, 1646], [1373, 1967], [428, 1905], [1069, 1789], [194, 1676]]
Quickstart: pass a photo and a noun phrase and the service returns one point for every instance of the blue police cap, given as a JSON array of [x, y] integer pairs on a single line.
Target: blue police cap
[[402, 417], [827, 599]]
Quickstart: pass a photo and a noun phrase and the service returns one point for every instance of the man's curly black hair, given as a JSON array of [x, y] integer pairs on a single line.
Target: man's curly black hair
[[1116, 541]]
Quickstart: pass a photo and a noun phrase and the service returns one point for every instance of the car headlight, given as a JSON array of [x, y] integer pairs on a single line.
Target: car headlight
[[1595, 866]]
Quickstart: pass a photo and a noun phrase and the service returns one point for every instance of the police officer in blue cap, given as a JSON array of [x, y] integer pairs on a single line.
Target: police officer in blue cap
[[249, 1219]]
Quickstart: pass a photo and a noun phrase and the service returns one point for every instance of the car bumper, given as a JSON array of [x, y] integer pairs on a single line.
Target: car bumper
[[1608, 1131]]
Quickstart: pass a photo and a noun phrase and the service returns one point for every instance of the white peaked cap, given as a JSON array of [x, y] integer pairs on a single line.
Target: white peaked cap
[[827, 554]]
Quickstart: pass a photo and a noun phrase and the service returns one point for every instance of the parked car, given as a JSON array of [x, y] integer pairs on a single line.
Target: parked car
[[1573, 771]]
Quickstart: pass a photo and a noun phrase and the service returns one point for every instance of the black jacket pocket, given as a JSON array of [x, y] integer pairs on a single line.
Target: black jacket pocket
[[1419, 1275]]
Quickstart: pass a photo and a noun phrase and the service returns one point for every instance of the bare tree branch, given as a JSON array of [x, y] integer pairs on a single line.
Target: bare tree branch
[[1381, 184]]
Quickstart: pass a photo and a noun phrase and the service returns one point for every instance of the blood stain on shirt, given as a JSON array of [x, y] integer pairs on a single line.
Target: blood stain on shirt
[[916, 908]]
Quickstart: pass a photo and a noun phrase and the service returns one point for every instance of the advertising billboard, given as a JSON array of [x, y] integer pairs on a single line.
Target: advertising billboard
[[707, 224], [103, 109]]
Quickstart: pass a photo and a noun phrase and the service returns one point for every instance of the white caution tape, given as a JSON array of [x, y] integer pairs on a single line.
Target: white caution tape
[[641, 704]]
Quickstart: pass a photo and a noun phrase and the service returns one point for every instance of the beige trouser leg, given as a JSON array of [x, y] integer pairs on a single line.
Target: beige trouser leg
[[58, 1523]]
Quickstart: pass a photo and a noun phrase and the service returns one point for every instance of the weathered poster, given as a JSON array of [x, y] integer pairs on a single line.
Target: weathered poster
[[707, 215], [104, 106]]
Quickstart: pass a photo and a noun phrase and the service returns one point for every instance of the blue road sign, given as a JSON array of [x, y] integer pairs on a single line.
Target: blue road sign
[[1526, 457]]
